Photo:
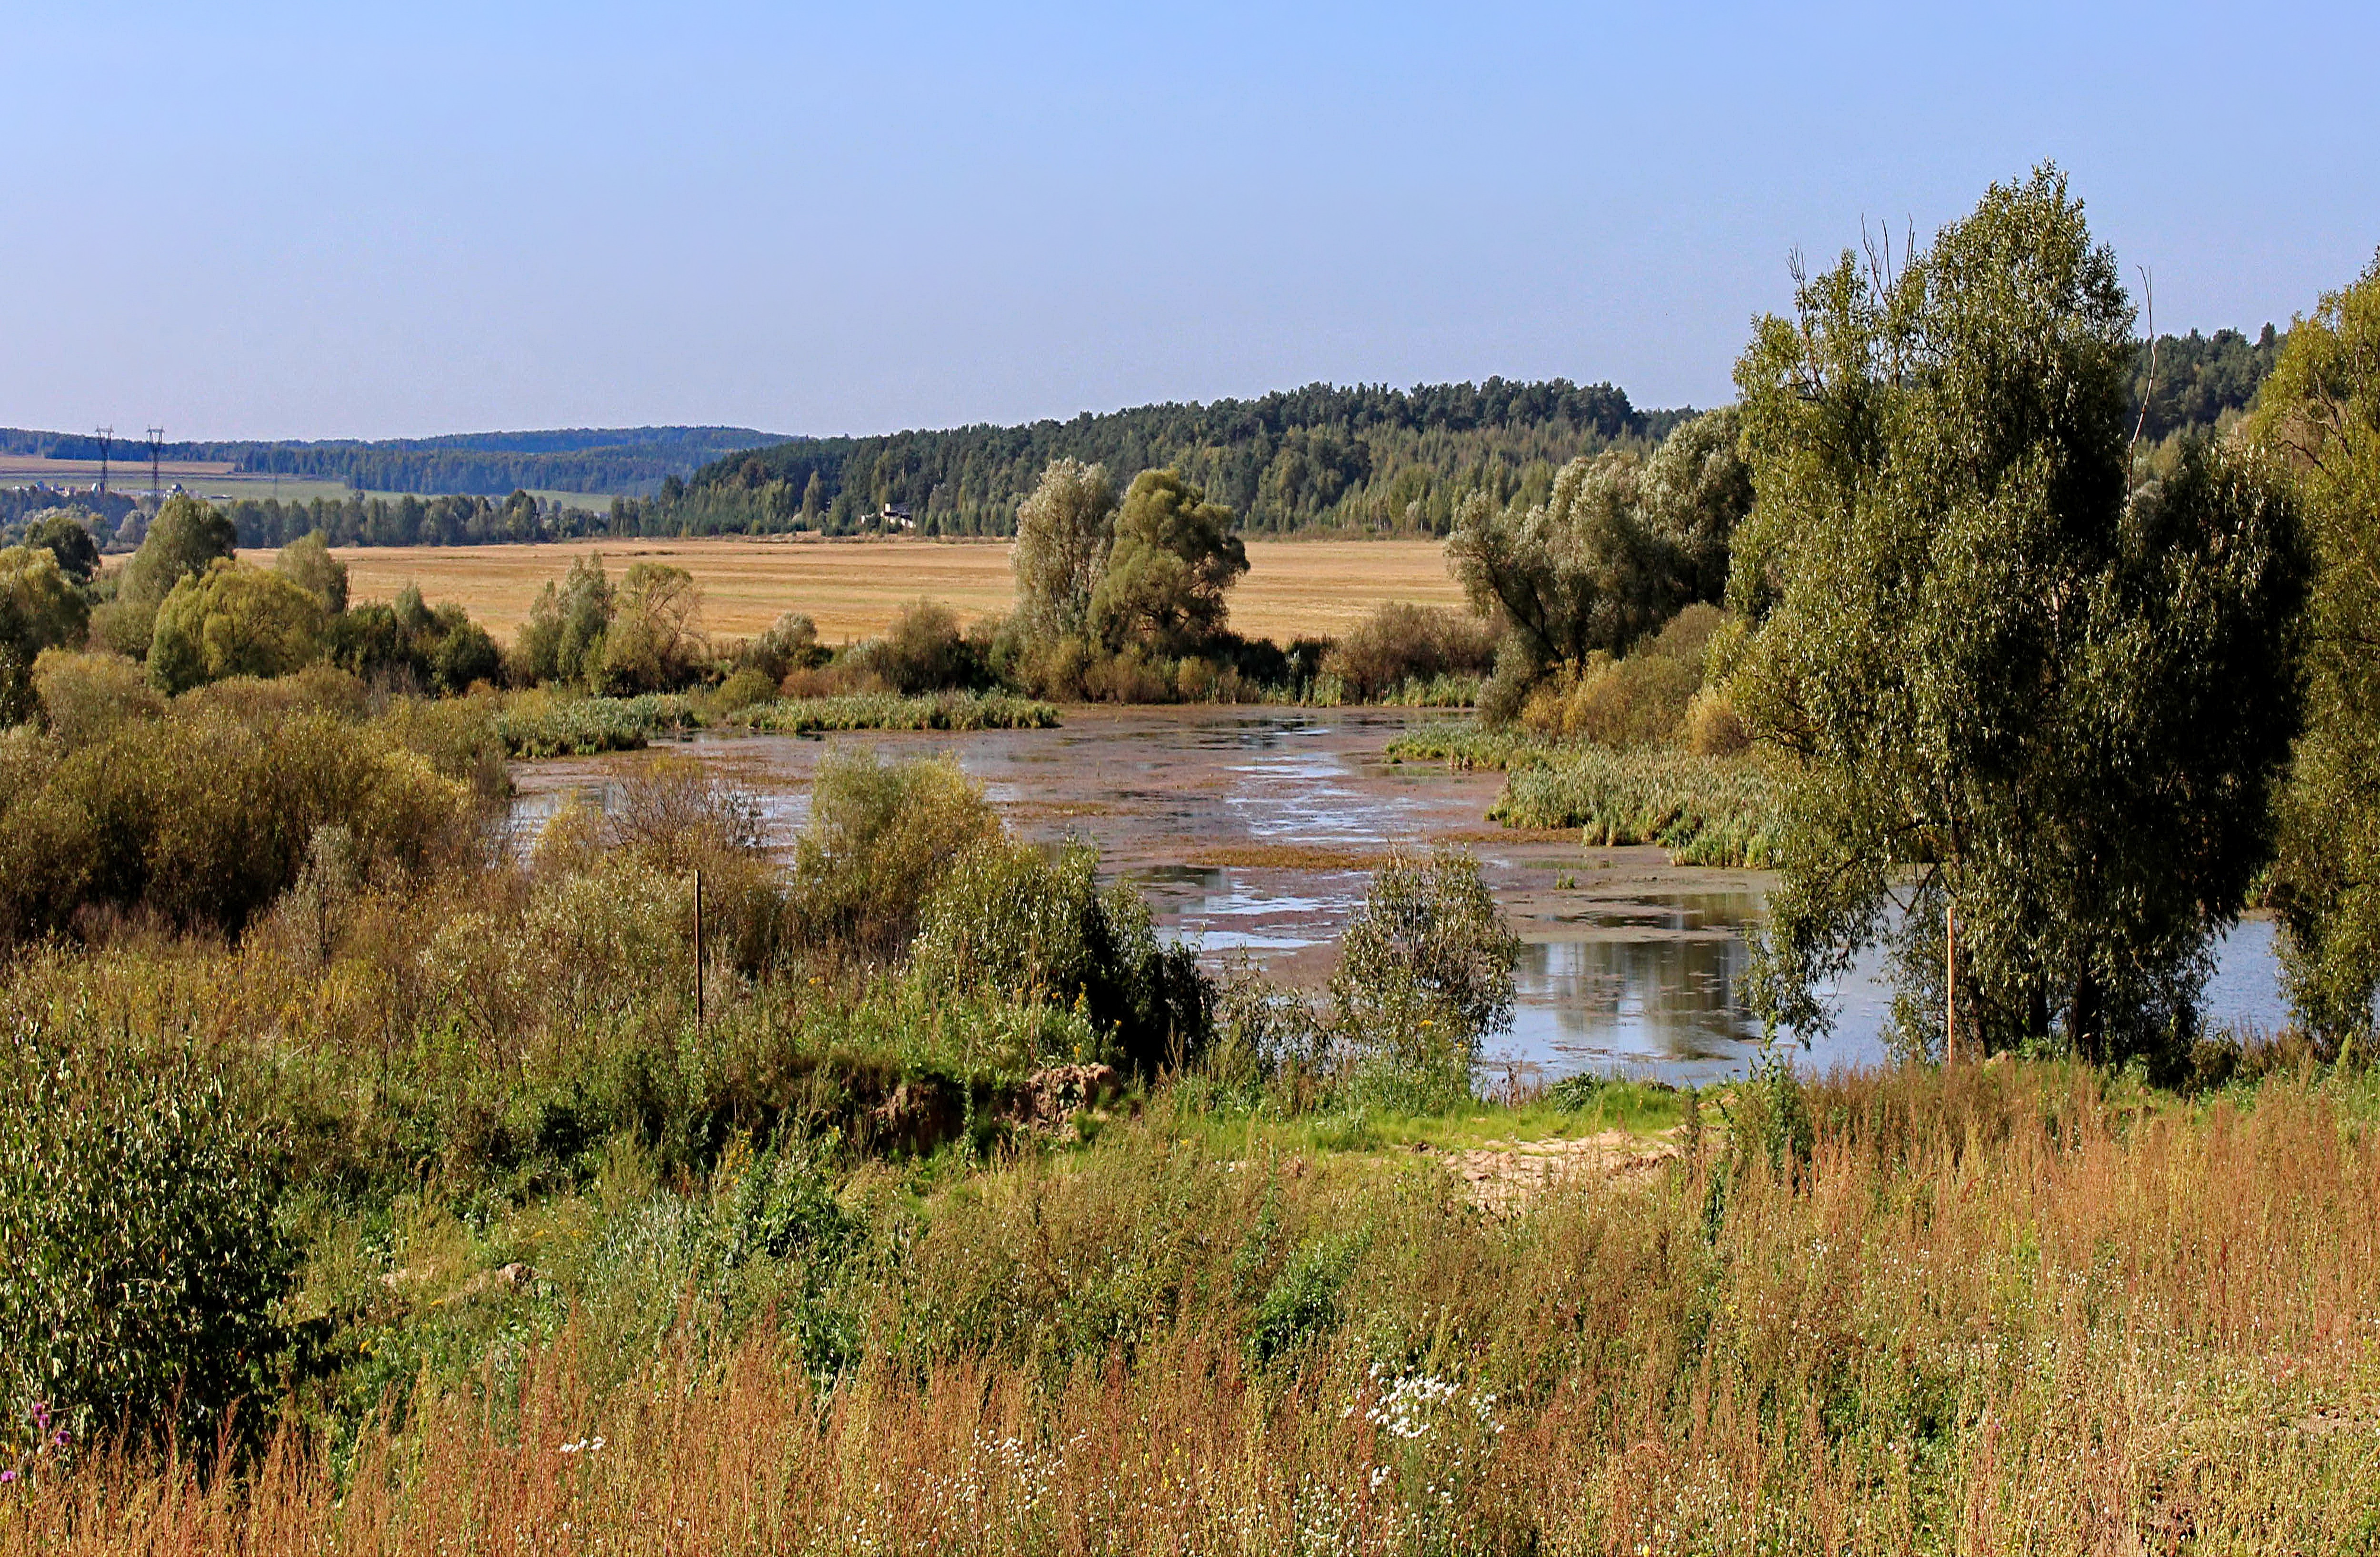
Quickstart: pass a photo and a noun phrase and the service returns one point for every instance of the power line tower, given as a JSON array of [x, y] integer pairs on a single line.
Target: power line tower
[[106, 435], [156, 446]]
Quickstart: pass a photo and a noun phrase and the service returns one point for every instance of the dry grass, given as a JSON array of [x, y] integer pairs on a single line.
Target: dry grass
[[852, 589], [1990, 1311]]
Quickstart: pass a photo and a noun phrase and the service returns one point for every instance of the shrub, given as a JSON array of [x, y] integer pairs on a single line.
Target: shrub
[[1011, 920], [741, 691], [1641, 701], [1401, 643], [923, 651], [140, 1257], [1426, 976], [882, 837], [202, 819], [85, 697]]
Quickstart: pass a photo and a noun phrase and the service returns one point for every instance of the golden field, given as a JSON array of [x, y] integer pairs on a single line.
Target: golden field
[[852, 589]]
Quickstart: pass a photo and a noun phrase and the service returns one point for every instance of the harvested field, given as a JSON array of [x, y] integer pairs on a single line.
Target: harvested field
[[853, 587]]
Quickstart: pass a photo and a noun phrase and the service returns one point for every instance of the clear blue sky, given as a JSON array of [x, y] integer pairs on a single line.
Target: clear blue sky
[[383, 220]]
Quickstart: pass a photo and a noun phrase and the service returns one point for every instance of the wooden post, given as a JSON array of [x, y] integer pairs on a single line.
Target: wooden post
[[1949, 983], [697, 949]]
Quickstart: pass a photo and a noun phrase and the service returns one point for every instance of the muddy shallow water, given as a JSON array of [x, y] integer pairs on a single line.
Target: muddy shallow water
[[1255, 830]]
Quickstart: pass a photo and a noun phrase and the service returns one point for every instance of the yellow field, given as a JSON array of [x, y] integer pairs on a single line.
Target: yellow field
[[852, 587]]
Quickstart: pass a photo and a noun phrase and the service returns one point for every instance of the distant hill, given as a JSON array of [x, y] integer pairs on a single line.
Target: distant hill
[[605, 460], [1367, 458]]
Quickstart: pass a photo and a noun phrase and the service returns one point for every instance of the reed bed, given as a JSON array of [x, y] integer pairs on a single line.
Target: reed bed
[[2004, 1309], [1703, 810], [538, 725]]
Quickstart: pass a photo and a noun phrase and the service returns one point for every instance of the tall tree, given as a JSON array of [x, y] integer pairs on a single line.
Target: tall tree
[[2320, 412], [183, 540], [1064, 531], [2061, 703], [1174, 556]]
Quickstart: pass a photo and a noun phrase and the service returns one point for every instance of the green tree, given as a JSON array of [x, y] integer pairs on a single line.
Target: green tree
[[1619, 546], [1064, 531], [2320, 411], [2062, 704], [562, 639], [307, 563], [654, 633], [40, 608], [234, 620], [1174, 556], [186, 536], [67, 534]]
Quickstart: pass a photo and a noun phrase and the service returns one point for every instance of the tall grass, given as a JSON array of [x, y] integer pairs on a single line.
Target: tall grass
[[1703, 810], [2009, 1310]]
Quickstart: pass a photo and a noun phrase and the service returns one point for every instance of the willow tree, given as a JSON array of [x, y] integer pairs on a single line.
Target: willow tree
[[2006, 682], [1064, 531], [2320, 412]]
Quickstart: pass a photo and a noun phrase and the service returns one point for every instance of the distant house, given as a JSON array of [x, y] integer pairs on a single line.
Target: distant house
[[897, 516]]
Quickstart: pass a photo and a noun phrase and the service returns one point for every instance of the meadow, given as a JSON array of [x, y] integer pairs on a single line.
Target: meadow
[[852, 589]]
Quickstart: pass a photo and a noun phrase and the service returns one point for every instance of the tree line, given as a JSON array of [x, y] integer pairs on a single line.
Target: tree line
[[597, 460]]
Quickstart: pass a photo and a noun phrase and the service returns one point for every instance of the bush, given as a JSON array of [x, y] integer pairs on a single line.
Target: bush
[[139, 1259], [1428, 943], [202, 819], [1400, 644], [85, 697], [923, 651], [1013, 920], [881, 839], [1642, 700]]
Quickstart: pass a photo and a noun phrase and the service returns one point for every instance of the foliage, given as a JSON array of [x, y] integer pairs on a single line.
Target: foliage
[[204, 818], [1616, 549], [85, 697], [1426, 975], [307, 563], [183, 539], [653, 641], [66, 534], [922, 650], [234, 620], [1173, 557], [1636, 701], [1703, 810], [2194, 384], [1011, 920], [141, 1263], [2321, 413], [881, 838], [40, 609], [2063, 702], [1400, 644], [405, 644], [561, 641], [1367, 458], [1063, 530]]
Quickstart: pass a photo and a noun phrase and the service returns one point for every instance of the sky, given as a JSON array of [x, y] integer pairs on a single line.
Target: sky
[[370, 220]]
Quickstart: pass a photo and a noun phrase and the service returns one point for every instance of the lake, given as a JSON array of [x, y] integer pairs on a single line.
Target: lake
[[1254, 832]]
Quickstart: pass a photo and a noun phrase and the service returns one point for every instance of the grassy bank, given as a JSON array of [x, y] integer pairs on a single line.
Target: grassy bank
[[539, 725]]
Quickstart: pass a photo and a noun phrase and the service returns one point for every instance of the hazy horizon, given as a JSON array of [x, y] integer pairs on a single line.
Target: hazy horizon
[[266, 222]]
